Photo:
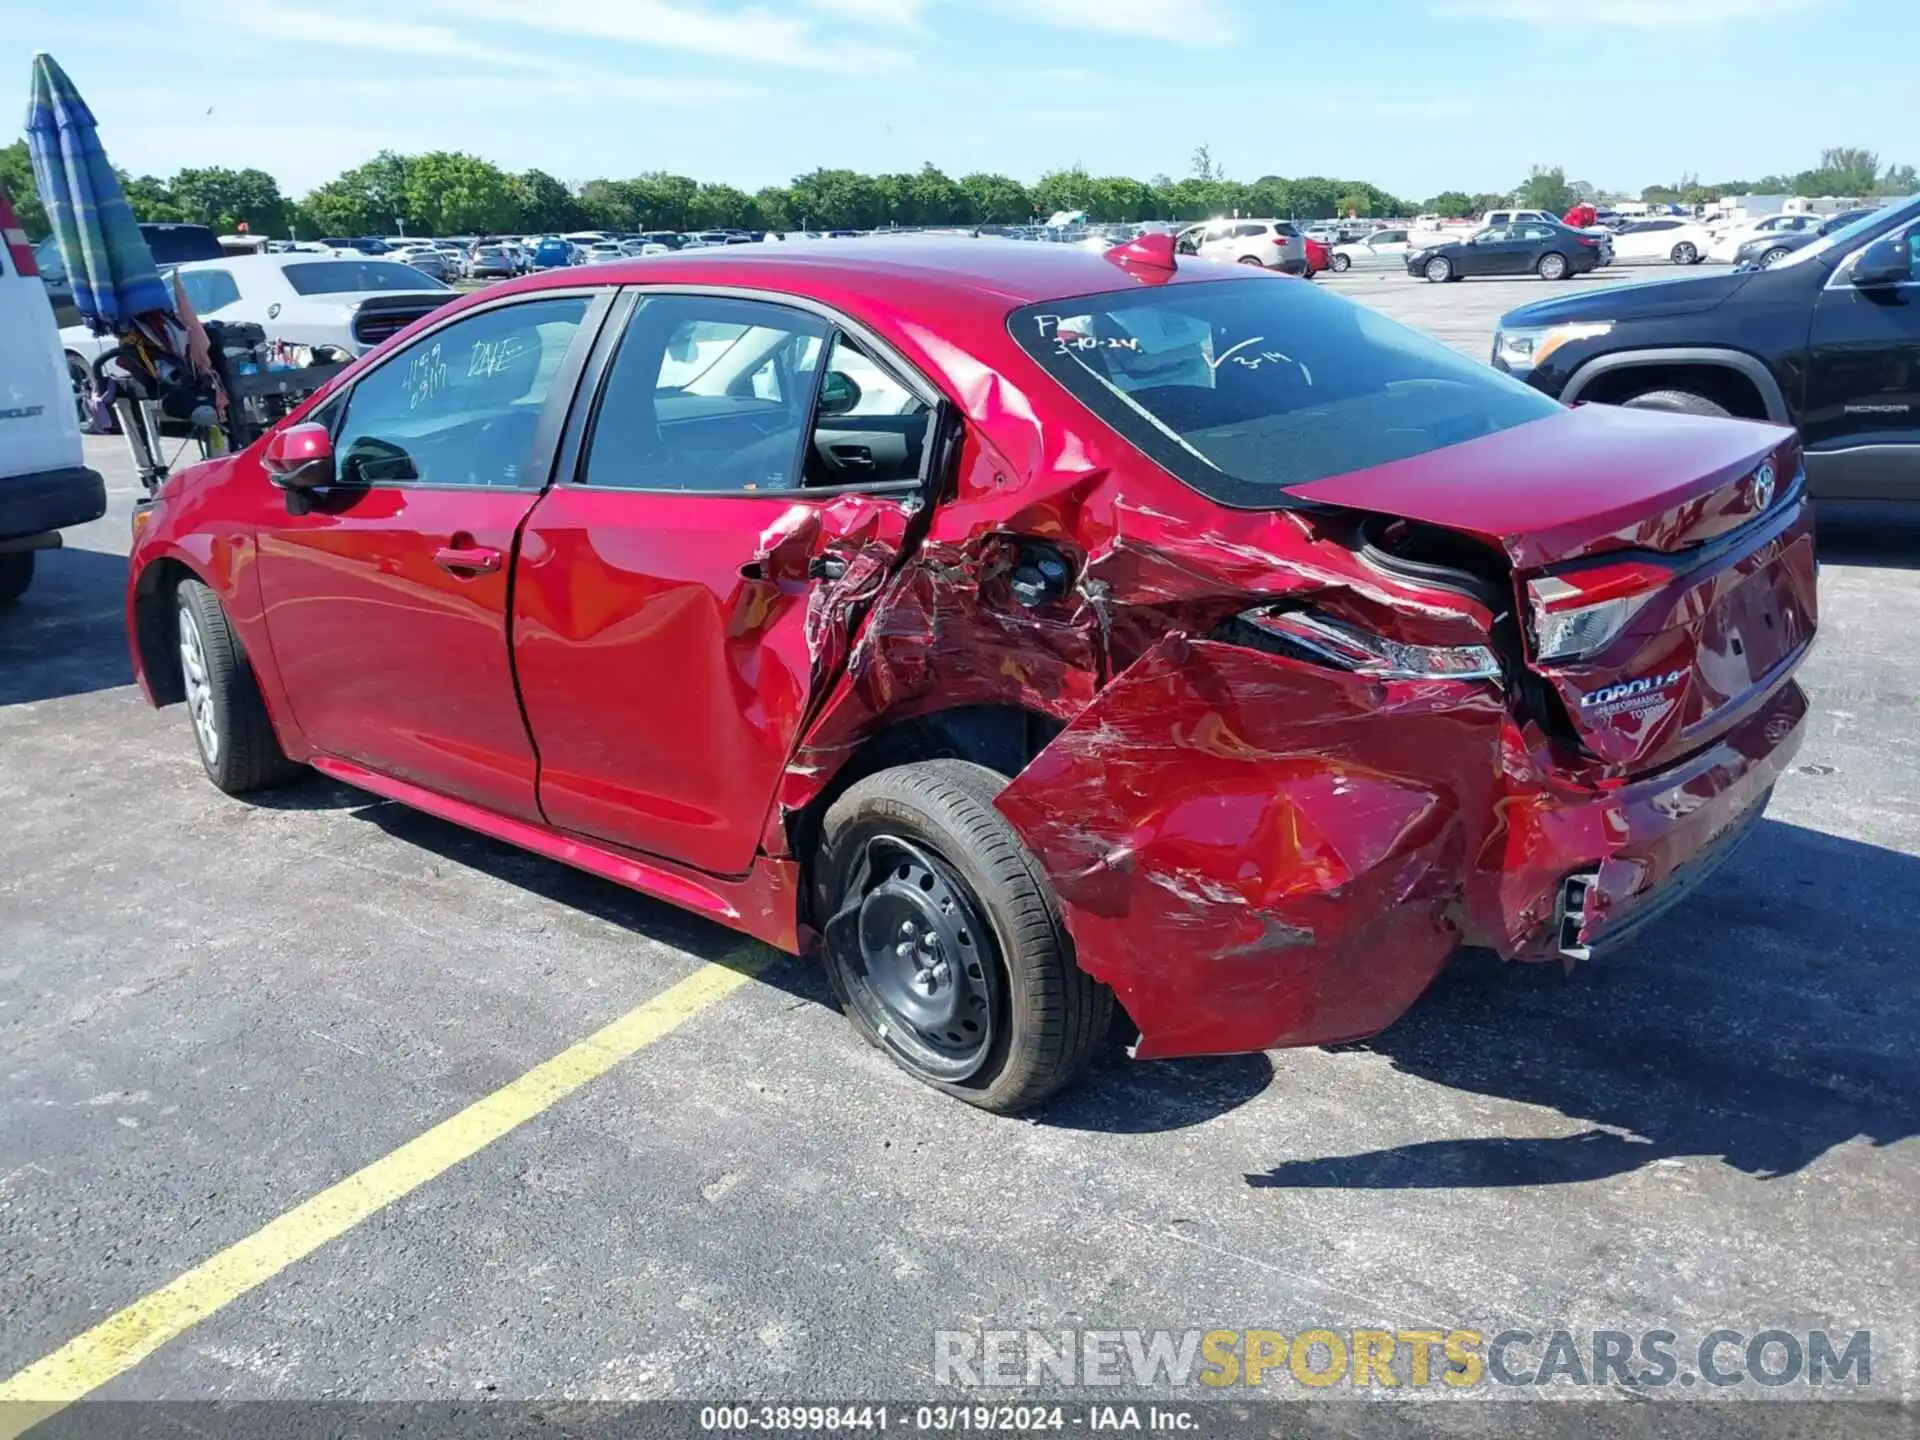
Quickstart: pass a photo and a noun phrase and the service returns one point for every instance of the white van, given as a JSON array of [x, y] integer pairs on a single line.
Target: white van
[[44, 486]]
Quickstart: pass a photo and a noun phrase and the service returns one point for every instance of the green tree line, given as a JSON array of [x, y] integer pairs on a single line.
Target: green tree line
[[446, 192]]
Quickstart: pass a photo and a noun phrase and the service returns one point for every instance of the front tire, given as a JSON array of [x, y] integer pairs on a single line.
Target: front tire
[[1552, 266], [944, 942], [1342, 264], [230, 725], [1438, 270], [16, 574]]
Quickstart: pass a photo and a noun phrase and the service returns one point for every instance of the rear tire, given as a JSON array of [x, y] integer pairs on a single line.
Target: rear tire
[[1552, 266], [982, 997], [1685, 253], [16, 574], [1252, 260], [1678, 402], [1773, 257], [230, 725]]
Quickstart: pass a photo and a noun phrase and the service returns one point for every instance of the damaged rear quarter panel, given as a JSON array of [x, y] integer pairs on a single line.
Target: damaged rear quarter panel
[[1254, 852]]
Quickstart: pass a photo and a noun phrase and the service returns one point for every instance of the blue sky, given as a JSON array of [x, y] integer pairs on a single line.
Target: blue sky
[[1414, 95]]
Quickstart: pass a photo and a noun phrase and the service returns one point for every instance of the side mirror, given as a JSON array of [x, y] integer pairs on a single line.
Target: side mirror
[[299, 457], [838, 393], [1884, 263]]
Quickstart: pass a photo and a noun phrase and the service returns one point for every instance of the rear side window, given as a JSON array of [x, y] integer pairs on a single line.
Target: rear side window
[[1242, 388], [708, 394], [208, 290], [343, 277]]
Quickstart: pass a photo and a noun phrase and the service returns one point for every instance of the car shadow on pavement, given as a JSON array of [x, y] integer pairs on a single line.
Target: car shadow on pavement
[[68, 634], [1768, 1020], [1119, 1097], [646, 917]]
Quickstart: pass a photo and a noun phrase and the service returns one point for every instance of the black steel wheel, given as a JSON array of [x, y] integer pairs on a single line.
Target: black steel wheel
[[919, 959], [944, 942]]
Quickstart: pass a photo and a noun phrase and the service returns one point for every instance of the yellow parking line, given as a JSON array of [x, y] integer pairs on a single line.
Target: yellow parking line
[[123, 1340]]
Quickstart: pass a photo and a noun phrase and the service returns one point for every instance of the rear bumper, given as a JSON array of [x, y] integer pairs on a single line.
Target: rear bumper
[[1635, 851], [50, 500]]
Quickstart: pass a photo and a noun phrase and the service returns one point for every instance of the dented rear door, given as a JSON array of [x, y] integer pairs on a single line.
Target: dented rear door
[[678, 596]]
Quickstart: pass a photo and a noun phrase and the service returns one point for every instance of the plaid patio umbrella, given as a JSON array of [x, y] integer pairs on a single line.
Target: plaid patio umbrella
[[111, 269]]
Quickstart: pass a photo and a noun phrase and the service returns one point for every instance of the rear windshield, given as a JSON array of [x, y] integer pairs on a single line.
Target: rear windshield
[[177, 244], [342, 277], [1242, 388]]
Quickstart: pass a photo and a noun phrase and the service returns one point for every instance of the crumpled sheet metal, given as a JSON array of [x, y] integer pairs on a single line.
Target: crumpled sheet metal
[[1256, 853]]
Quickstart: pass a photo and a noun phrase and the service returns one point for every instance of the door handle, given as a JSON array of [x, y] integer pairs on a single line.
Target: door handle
[[473, 559], [853, 457]]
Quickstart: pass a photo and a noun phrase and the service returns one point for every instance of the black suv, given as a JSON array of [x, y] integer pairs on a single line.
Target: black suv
[[1827, 339]]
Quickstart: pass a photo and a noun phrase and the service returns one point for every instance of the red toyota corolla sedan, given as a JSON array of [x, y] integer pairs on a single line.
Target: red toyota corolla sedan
[[1023, 629]]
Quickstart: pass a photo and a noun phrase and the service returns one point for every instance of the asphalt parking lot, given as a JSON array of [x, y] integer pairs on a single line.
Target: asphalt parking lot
[[211, 1010]]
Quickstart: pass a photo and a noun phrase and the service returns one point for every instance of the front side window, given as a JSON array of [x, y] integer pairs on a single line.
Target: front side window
[[707, 394], [1242, 389], [462, 405]]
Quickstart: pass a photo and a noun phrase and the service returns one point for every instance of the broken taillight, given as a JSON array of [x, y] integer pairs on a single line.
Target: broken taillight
[[1580, 614], [1334, 642]]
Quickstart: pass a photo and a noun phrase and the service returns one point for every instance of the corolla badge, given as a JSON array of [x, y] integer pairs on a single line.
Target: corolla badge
[[1763, 487], [1649, 692]]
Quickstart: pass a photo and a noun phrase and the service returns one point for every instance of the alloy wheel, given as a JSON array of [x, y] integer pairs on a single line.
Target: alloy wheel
[[1438, 268], [193, 671], [1685, 254], [1341, 263], [1552, 267], [919, 959]]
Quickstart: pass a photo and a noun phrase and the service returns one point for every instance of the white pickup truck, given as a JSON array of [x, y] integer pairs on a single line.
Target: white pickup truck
[[45, 485]]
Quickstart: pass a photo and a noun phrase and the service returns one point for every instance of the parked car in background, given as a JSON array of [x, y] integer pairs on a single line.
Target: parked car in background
[[1826, 339], [424, 258], [737, 603], [552, 254], [1764, 250], [1494, 219], [360, 245], [45, 485], [170, 244], [1383, 249], [1532, 247], [489, 262], [601, 251], [348, 304], [1681, 242], [1275, 244], [1729, 239]]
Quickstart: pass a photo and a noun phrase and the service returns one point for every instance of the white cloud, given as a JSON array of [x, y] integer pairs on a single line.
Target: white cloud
[[905, 15], [755, 34], [1182, 22], [341, 29], [1635, 14]]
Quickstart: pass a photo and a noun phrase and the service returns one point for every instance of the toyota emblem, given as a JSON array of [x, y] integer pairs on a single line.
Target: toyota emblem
[[1763, 487]]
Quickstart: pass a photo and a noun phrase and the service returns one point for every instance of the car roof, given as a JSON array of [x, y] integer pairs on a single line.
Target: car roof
[[889, 268]]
